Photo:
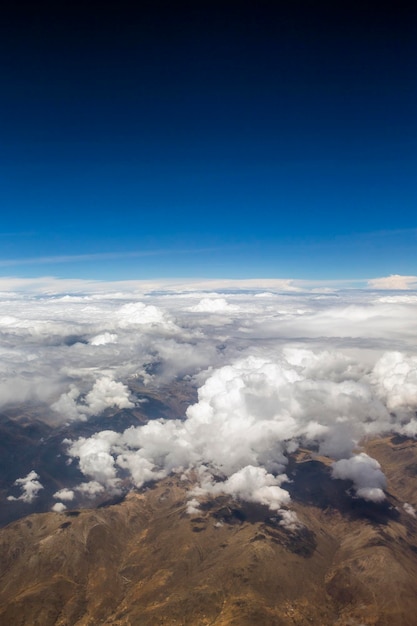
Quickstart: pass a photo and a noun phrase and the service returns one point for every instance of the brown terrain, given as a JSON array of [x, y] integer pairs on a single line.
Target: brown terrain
[[146, 562], [30, 439]]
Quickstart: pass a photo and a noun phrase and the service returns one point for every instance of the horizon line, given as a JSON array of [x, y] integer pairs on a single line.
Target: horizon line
[[45, 284]]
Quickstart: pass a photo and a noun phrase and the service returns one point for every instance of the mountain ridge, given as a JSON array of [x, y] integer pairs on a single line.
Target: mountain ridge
[[147, 561]]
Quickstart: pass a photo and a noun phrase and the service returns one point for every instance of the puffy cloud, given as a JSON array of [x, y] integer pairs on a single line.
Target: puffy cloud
[[96, 462], [193, 507], [30, 487], [256, 406], [253, 484], [394, 281], [58, 507], [105, 393], [90, 489], [64, 494], [67, 405], [214, 305], [408, 508], [138, 314], [366, 475], [395, 376], [289, 519], [250, 484], [140, 469]]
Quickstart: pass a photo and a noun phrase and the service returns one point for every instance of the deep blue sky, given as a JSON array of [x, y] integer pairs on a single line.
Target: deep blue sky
[[220, 139]]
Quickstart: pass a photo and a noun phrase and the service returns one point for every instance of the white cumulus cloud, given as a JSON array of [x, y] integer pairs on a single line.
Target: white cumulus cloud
[[58, 507], [64, 494], [365, 473], [408, 508], [214, 305], [104, 394], [30, 487]]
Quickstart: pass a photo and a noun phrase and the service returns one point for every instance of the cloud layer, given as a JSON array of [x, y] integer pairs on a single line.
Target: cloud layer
[[274, 371]]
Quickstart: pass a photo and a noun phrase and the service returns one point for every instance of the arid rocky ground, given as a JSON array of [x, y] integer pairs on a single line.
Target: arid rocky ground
[[145, 561]]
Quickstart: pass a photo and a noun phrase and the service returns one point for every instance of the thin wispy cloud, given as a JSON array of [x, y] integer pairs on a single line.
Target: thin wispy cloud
[[392, 232], [100, 256], [16, 234]]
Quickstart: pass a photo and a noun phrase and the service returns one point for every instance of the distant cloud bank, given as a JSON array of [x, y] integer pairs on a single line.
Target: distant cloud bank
[[395, 281], [261, 286]]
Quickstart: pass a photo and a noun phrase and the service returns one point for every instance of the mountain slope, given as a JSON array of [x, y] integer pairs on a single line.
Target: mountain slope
[[146, 561]]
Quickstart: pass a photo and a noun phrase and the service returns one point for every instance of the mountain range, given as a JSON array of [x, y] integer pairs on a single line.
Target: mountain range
[[146, 561]]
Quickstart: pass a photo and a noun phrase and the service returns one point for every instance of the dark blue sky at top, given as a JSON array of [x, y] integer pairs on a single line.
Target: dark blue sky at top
[[217, 139]]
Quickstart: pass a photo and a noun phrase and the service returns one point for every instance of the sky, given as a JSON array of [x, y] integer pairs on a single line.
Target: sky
[[237, 140]]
